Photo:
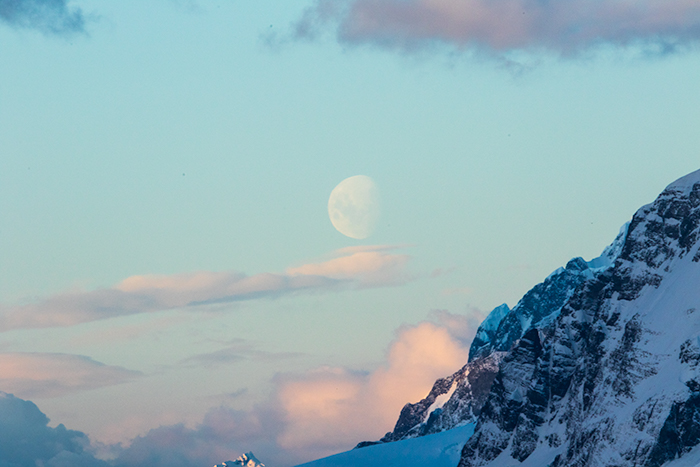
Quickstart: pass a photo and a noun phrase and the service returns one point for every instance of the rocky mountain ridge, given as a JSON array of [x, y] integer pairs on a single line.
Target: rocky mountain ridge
[[456, 400], [613, 379], [599, 365]]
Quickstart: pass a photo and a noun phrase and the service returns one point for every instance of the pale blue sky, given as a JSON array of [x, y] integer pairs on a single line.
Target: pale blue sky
[[173, 138]]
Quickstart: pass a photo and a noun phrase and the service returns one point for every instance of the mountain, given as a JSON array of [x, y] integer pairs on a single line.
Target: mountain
[[614, 378], [247, 460], [457, 400], [453, 401], [599, 365], [435, 450]]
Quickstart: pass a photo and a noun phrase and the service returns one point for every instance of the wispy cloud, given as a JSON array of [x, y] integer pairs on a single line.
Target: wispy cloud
[[42, 375], [47, 16], [502, 26], [235, 351], [368, 268], [141, 294]]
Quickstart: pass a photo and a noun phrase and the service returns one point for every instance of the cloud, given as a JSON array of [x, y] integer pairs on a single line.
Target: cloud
[[147, 293], [223, 434], [237, 350], [368, 268], [47, 16], [41, 375], [315, 413], [462, 327], [27, 440], [502, 26], [331, 409]]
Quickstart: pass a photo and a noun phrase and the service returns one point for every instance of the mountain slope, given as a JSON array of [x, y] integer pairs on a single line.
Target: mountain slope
[[436, 450], [452, 402]]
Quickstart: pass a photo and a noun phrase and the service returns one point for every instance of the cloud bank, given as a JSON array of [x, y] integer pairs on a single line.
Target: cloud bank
[[308, 415], [26, 440], [357, 268], [501, 26], [317, 413], [47, 16], [41, 375]]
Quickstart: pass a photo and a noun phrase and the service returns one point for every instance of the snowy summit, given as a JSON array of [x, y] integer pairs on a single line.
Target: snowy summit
[[247, 460]]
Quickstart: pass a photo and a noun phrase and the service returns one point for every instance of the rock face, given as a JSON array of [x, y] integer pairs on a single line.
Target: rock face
[[613, 377]]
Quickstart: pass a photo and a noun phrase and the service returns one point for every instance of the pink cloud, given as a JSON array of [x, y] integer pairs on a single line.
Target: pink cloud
[[330, 409], [41, 375], [563, 27], [462, 327], [372, 267], [368, 268]]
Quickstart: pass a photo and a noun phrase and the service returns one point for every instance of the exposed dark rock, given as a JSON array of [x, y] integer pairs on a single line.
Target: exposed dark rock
[[679, 434], [541, 302]]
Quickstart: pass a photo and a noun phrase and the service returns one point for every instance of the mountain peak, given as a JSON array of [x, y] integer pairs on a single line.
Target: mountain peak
[[685, 183], [598, 365], [613, 377], [247, 460]]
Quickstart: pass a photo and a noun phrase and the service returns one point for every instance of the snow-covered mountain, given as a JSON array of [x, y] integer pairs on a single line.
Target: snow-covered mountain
[[457, 400], [435, 450], [599, 365], [247, 460], [614, 379]]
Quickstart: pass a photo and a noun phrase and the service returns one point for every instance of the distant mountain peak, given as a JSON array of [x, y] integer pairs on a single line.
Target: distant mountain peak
[[246, 460]]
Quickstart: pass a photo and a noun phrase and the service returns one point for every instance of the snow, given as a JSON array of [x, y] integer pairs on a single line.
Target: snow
[[246, 460], [690, 459], [666, 316], [685, 184], [494, 318], [440, 400], [438, 450], [556, 272]]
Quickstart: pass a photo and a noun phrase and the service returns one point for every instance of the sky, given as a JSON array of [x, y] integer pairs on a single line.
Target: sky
[[171, 287]]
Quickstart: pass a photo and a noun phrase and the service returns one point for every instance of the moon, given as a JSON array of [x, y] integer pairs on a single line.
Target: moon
[[353, 207]]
